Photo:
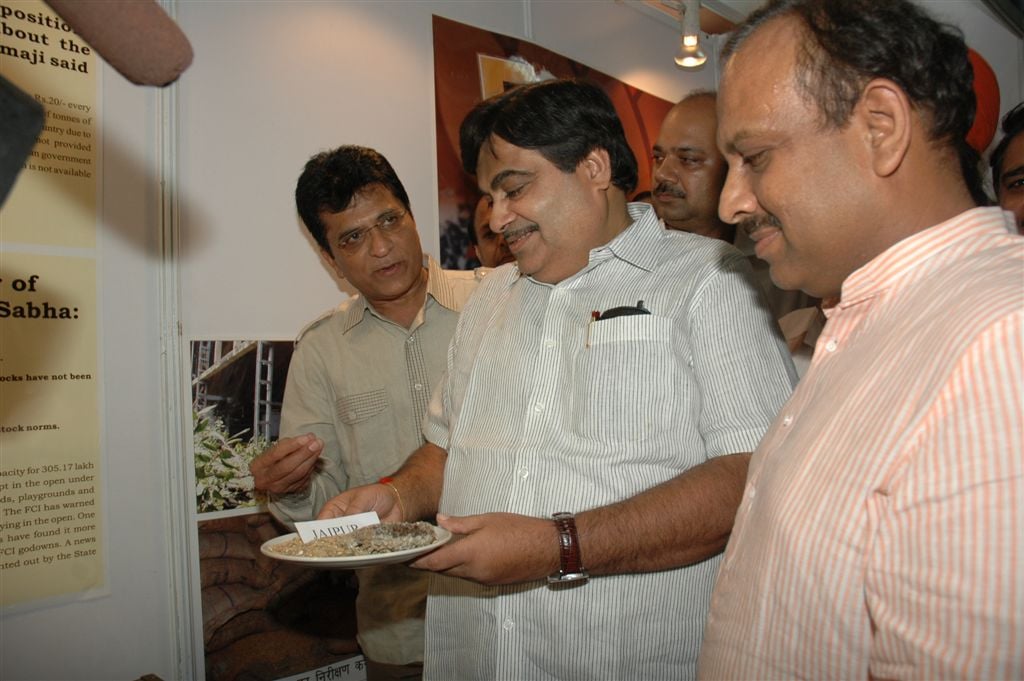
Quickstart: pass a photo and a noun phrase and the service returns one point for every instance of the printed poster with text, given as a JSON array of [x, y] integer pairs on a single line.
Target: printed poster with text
[[50, 479]]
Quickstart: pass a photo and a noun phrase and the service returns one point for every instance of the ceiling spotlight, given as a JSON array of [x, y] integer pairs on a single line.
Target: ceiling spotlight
[[690, 55]]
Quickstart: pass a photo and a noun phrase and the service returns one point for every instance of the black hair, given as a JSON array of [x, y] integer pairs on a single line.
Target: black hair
[[853, 41], [331, 179], [564, 120], [1013, 125]]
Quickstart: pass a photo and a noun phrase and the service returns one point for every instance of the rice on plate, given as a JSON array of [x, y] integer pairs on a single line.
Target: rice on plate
[[366, 541]]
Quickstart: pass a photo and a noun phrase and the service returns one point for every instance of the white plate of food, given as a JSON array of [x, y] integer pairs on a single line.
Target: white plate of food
[[374, 545]]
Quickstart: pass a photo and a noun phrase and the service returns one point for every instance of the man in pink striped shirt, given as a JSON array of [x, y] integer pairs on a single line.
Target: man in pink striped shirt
[[881, 533]]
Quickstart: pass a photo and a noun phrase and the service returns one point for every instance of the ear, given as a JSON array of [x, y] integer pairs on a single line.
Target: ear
[[888, 117], [596, 167]]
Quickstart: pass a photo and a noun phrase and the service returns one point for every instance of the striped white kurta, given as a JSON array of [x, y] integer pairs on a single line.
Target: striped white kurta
[[544, 411], [882, 530]]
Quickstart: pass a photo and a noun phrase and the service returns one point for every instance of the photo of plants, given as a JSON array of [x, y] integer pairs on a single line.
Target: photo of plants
[[237, 388], [262, 619]]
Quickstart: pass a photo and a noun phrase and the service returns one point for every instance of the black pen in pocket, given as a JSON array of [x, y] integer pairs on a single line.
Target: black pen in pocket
[[623, 310], [611, 313]]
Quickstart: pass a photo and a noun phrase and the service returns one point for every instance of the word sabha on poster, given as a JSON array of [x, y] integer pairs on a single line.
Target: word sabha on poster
[[52, 544], [32, 310]]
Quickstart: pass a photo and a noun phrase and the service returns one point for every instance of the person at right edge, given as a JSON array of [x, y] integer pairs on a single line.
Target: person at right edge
[[881, 533], [1007, 162]]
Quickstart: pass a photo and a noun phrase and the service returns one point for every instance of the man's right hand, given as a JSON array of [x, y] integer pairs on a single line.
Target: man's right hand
[[288, 465]]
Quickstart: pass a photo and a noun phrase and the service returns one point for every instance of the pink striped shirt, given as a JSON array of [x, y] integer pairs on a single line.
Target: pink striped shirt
[[882, 529]]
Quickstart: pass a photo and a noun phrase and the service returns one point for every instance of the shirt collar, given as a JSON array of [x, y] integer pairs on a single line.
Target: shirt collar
[[638, 243], [908, 255], [438, 288]]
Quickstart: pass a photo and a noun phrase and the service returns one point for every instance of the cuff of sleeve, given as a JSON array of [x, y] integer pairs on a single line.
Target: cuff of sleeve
[[436, 434], [293, 498], [291, 508], [734, 442]]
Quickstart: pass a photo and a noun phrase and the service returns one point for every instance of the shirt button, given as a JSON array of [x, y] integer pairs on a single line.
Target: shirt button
[[539, 407], [751, 493], [786, 421], [411, 339], [508, 624], [549, 343], [523, 473], [831, 345], [418, 386]]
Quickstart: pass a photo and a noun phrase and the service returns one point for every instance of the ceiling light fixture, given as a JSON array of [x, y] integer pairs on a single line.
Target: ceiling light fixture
[[690, 55]]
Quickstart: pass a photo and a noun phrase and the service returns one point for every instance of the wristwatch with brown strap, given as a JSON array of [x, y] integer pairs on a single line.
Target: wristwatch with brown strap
[[571, 570]]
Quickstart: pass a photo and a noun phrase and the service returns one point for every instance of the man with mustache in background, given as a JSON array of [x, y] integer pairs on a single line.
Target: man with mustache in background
[[688, 170]]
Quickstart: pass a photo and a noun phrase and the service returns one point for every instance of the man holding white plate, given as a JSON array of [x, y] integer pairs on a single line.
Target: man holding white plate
[[590, 439]]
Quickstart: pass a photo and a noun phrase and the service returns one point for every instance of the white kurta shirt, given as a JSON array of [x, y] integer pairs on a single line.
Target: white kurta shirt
[[545, 410]]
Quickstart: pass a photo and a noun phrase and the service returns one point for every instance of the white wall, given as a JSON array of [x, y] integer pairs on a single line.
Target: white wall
[[273, 82]]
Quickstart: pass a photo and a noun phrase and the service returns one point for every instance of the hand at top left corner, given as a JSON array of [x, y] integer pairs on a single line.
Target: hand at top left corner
[[495, 548]]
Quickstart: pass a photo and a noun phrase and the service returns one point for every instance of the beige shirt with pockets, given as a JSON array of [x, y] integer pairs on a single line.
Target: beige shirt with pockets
[[361, 383]]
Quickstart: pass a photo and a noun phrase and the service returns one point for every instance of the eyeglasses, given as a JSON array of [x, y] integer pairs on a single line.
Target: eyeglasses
[[355, 240]]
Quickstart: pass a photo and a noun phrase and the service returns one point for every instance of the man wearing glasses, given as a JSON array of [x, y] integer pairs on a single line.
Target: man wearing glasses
[[361, 377]]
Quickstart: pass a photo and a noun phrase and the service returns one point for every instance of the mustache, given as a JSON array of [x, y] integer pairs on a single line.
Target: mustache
[[665, 188], [752, 224], [512, 232]]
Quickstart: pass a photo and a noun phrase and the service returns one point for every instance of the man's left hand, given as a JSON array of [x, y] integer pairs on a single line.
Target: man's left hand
[[495, 548]]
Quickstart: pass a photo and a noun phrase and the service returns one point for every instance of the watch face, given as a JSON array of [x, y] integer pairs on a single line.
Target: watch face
[[568, 578], [574, 577]]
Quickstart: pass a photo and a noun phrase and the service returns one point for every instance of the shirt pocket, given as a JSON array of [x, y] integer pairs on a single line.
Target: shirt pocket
[[353, 409], [368, 436], [625, 377]]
